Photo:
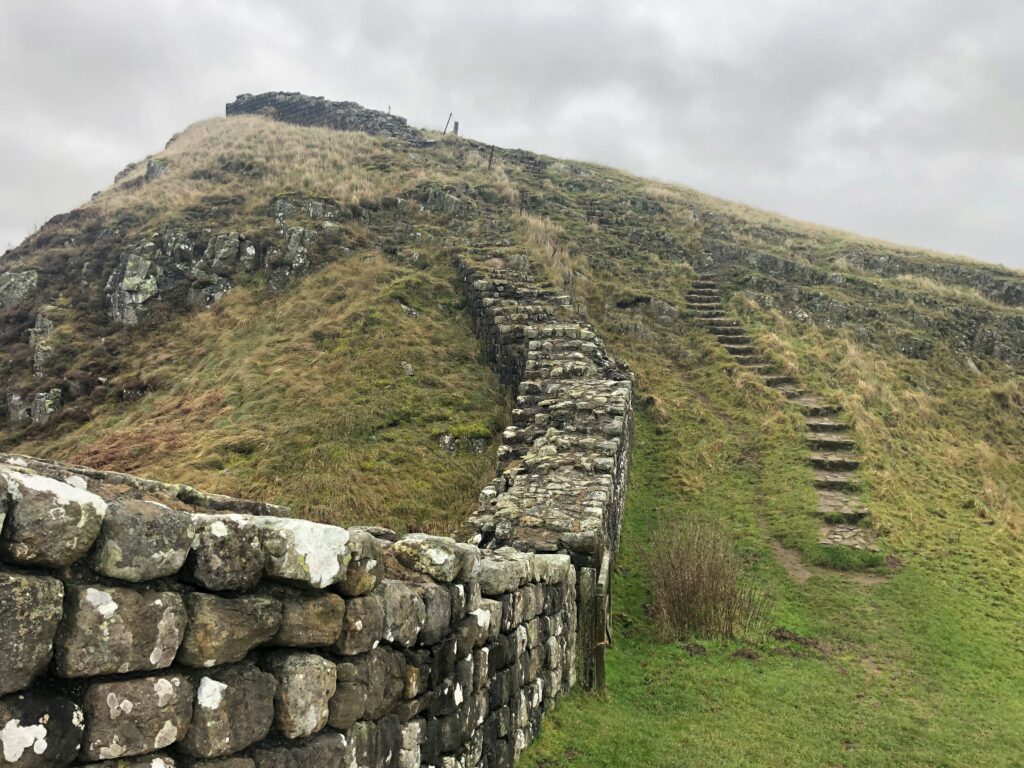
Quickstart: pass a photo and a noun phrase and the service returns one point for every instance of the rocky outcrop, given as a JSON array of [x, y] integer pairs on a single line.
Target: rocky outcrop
[[41, 339], [194, 265], [316, 111], [17, 286], [193, 269]]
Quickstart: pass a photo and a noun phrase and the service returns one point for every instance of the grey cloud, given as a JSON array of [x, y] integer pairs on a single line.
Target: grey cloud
[[901, 121]]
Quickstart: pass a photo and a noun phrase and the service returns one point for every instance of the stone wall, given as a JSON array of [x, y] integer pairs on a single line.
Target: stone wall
[[316, 111], [151, 624], [565, 459], [138, 629]]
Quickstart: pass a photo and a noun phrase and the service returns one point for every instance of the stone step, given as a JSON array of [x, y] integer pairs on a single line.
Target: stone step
[[830, 460], [739, 349], [746, 360], [732, 339], [725, 330], [703, 284], [830, 441], [827, 425], [813, 406], [836, 505], [835, 480], [779, 380], [848, 535], [725, 322], [703, 303], [791, 391]]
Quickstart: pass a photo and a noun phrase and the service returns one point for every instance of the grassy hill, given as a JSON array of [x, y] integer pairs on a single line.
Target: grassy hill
[[338, 375]]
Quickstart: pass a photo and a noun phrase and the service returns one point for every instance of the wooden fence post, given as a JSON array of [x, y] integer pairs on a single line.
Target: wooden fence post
[[446, 123], [602, 600], [490, 158], [587, 636]]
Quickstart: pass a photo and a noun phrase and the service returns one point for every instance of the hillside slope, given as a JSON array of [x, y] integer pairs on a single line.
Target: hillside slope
[[270, 310]]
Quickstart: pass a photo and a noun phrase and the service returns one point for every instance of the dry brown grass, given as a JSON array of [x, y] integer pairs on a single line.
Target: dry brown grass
[[255, 159], [699, 588]]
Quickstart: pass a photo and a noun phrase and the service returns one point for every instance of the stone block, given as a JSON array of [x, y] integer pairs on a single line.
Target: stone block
[[226, 553], [376, 744], [304, 553], [348, 703], [325, 750], [49, 523], [309, 620], [132, 717], [152, 760], [30, 612], [222, 630], [436, 556], [39, 730], [233, 709], [366, 565], [305, 684], [108, 630], [363, 627], [437, 613], [142, 540], [404, 613], [385, 669]]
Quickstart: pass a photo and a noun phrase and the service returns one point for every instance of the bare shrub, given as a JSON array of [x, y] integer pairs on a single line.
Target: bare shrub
[[699, 587]]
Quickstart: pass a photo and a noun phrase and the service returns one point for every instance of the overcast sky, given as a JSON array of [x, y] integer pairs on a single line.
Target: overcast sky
[[902, 119]]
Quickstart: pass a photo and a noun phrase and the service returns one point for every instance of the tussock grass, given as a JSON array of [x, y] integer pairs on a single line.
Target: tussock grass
[[304, 402], [249, 160], [699, 587]]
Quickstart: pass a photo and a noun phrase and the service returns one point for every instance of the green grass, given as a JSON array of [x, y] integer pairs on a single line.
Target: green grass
[[911, 672]]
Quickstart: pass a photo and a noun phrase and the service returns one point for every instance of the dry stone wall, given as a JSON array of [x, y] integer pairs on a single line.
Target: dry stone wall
[[300, 109], [565, 458], [138, 629]]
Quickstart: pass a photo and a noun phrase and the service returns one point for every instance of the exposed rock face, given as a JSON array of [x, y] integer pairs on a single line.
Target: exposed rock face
[[193, 269], [45, 405], [135, 283], [17, 286], [284, 264], [291, 206], [40, 340], [19, 410]]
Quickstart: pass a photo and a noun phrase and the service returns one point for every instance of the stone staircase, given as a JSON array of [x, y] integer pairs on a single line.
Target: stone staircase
[[845, 519]]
